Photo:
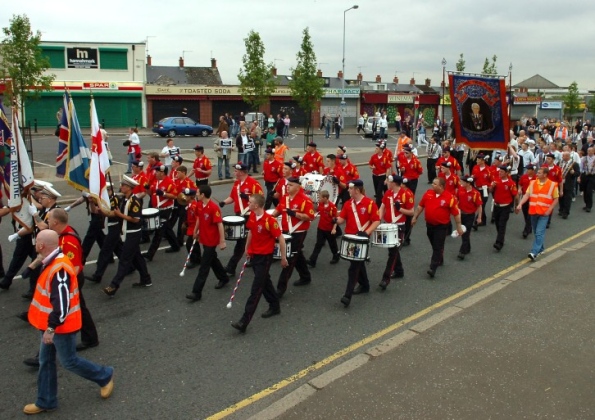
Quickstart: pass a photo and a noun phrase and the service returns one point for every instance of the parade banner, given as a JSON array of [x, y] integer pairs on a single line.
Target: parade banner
[[99, 162], [5, 141], [21, 173], [63, 139], [480, 111], [78, 157]]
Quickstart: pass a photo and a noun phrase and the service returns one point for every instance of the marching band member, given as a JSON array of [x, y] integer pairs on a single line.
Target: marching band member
[[409, 167], [181, 182], [96, 222], [176, 162], [336, 171], [312, 160], [447, 157], [451, 181], [202, 166], [272, 171], [483, 178], [141, 179], [281, 187], [327, 229], [351, 173], [470, 205], [505, 193], [299, 169], [381, 167], [191, 238]]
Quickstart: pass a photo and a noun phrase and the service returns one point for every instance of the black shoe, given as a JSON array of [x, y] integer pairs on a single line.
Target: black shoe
[[525, 234], [93, 279], [431, 272], [240, 326], [4, 286], [32, 361], [588, 210], [397, 275], [383, 284], [335, 260], [498, 246], [359, 290], [148, 257], [271, 312], [143, 284], [193, 296], [301, 282], [565, 216], [475, 227], [172, 250], [407, 242], [461, 256], [28, 295], [547, 226], [230, 274], [345, 301], [84, 346], [110, 291], [23, 316], [280, 293], [191, 265], [221, 284], [311, 263]]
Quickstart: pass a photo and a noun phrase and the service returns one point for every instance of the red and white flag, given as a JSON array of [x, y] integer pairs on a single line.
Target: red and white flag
[[99, 163]]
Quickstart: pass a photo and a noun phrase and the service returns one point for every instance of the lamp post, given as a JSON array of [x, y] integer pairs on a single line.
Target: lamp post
[[510, 94], [355, 6], [443, 87]]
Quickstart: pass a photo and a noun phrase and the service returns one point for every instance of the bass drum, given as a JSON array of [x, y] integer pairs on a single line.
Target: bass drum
[[314, 183]]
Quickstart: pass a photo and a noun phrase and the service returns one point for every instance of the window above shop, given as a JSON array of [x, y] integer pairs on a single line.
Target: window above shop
[[113, 58], [55, 55]]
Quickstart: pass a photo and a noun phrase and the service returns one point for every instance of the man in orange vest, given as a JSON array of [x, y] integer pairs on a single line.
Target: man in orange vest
[[55, 311], [542, 195]]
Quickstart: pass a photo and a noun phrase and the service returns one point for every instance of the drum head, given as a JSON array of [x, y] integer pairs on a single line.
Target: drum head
[[234, 220], [150, 212], [327, 185]]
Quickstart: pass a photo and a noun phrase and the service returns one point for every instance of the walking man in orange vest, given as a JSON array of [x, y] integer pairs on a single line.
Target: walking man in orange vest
[[55, 311], [542, 195]]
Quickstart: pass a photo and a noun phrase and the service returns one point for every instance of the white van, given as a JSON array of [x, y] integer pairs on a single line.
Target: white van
[[251, 116]]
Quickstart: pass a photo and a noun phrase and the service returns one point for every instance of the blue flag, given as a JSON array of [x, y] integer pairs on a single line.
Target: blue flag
[[78, 160]]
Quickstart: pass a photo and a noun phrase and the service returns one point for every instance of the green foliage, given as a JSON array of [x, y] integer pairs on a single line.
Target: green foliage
[[22, 61], [256, 78], [460, 66], [572, 101], [306, 86], [490, 68], [591, 105]]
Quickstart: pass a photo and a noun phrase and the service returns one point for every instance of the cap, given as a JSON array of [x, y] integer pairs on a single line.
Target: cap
[[407, 148], [293, 179], [343, 148], [446, 164], [468, 178], [240, 166], [504, 168], [108, 184], [189, 191], [312, 144], [49, 191], [38, 184], [298, 158], [138, 163], [269, 151], [199, 147], [530, 141], [159, 168], [343, 156], [380, 145], [481, 156], [398, 179], [178, 158], [530, 166], [551, 155], [356, 183], [291, 165], [126, 180]]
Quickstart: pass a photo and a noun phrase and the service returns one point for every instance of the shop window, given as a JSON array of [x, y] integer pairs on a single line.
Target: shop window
[[55, 55], [113, 58]]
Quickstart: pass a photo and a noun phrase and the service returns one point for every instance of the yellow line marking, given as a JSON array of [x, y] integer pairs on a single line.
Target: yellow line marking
[[312, 368]]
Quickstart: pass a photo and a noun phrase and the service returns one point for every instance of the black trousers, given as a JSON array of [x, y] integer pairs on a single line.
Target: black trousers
[[528, 228], [270, 192], [323, 236], [209, 260], [467, 220], [588, 182], [501, 216], [180, 212], [356, 274], [484, 201], [94, 234], [238, 252], [88, 329], [261, 285], [112, 245], [24, 249], [379, 188], [297, 261], [412, 185], [164, 231], [431, 168], [195, 256], [566, 200], [131, 258], [394, 262], [437, 236]]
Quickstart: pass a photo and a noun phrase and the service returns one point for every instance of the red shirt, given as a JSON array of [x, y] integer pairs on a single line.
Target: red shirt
[[454, 164], [272, 170], [327, 212], [403, 196], [297, 172], [71, 247], [350, 171], [388, 154], [337, 171], [167, 186], [482, 176], [469, 201], [249, 186], [264, 232], [201, 163], [410, 169], [181, 185], [300, 203], [380, 164], [208, 218], [141, 178], [452, 183], [439, 208], [524, 182], [312, 162], [555, 173], [281, 187], [366, 209], [504, 191], [191, 214]]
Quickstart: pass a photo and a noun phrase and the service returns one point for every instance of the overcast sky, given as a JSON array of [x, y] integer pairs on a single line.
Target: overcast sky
[[383, 37]]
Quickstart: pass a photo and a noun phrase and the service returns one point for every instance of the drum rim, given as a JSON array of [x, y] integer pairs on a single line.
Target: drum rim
[[150, 211], [233, 219]]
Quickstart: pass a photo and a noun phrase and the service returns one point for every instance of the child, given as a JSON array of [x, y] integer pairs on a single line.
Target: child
[[327, 229]]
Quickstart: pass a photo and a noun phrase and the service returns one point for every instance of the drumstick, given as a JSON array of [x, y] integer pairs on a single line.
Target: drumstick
[[233, 293], [187, 259]]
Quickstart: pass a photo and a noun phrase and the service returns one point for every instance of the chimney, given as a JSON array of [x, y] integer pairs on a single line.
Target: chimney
[[340, 74], [213, 63], [181, 62], [412, 81], [428, 82], [148, 60], [442, 84], [360, 78], [378, 78], [319, 73], [274, 71], [396, 80]]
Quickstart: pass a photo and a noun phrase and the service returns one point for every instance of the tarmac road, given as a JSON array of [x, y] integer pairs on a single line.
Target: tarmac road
[[183, 360]]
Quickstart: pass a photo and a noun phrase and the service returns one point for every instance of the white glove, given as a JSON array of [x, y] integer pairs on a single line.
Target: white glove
[[32, 210], [13, 237], [67, 209], [86, 194]]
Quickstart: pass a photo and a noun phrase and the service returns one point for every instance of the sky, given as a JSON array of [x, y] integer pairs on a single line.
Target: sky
[[383, 37]]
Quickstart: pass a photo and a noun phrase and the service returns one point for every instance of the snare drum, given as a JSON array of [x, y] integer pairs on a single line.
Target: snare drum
[[151, 217], [279, 218], [314, 183], [277, 249], [354, 248], [234, 228], [386, 235]]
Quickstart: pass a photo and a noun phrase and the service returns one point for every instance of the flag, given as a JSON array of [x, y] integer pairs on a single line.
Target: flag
[[63, 140], [99, 162], [480, 111], [78, 156], [5, 141], [21, 173]]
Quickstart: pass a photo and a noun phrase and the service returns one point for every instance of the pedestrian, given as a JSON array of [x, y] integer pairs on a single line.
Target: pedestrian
[[134, 149], [434, 151], [168, 152], [587, 178], [439, 206], [263, 230], [361, 218], [470, 205], [223, 147], [338, 125], [327, 229], [542, 195], [326, 122], [208, 230], [504, 192], [360, 124], [56, 313]]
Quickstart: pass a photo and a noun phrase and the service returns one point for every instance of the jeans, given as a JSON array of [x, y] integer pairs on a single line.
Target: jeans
[[47, 378], [327, 131], [130, 160], [242, 157], [220, 162], [337, 131], [538, 223]]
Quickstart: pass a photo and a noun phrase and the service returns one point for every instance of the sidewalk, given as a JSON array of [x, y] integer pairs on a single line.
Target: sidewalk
[[522, 347]]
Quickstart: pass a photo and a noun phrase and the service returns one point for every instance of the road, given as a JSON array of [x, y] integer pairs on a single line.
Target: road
[[183, 360]]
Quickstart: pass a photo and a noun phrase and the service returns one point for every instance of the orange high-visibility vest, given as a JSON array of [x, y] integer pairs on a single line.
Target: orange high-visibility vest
[[541, 197], [280, 152], [41, 307]]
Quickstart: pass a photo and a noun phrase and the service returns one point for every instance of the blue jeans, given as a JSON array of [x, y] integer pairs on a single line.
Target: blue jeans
[[220, 162], [539, 225], [130, 160], [47, 378], [337, 131], [327, 131], [242, 158]]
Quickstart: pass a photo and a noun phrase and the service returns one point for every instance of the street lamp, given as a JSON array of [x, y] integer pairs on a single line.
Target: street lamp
[[355, 6], [510, 94], [443, 87]]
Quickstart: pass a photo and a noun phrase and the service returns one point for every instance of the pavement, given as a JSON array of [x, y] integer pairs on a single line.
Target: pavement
[[521, 346]]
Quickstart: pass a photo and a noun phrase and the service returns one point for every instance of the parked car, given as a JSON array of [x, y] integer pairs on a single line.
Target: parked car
[[251, 116], [371, 128], [181, 126]]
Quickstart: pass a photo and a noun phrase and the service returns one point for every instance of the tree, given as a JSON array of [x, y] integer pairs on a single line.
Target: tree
[[591, 105], [305, 85], [461, 63], [490, 68], [571, 101], [23, 63], [256, 77]]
